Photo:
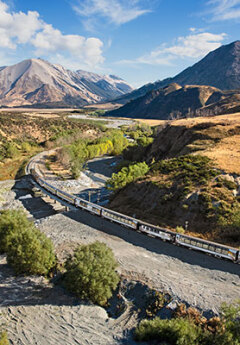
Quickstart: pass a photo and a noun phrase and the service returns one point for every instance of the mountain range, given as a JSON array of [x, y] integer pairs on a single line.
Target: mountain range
[[196, 89], [38, 82], [219, 68]]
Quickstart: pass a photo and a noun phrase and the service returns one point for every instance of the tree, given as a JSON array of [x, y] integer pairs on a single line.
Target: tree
[[90, 273], [11, 221], [127, 175], [31, 252]]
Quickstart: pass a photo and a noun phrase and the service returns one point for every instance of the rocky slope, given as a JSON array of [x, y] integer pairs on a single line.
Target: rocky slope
[[175, 101], [220, 68], [35, 82]]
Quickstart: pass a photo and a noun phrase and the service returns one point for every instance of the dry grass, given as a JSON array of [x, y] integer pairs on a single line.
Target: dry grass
[[226, 153], [151, 122], [103, 106]]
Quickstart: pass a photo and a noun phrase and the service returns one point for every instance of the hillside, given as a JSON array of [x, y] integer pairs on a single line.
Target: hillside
[[194, 176], [38, 82], [23, 135], [220, 68], [175, 101]]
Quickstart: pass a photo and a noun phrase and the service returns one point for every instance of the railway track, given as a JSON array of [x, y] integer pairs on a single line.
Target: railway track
[[208, 247]]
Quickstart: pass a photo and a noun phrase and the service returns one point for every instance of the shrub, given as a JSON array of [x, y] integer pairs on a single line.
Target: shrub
[[174, 331], [11, 150], [180, 230], [31, 252], [11, 221], [127, 175], [4, 338], [90, 273], [28, 250]]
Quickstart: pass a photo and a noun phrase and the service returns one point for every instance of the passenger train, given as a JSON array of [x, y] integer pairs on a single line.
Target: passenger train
[[190, 242]]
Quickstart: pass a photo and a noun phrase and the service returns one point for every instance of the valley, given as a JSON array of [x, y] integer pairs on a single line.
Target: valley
[[119, 207]]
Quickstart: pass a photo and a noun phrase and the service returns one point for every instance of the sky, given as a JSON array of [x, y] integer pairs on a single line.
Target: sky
[[139, 40]]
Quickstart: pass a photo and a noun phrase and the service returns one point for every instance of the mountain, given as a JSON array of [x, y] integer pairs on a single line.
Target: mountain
[[220, 68], [175, 101], [38, 82]]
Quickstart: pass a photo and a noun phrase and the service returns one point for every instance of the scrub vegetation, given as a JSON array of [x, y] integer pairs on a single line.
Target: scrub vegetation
[[28, 250], [189, 327], [184, 181], [91, 273]]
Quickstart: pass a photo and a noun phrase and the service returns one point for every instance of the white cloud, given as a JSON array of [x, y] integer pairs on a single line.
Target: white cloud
[[17, 27], [191, 46], [224, 9], [117, 11], [27, 28]]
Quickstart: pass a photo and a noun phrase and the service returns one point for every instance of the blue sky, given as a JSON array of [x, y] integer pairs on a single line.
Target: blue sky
[[141, 41]]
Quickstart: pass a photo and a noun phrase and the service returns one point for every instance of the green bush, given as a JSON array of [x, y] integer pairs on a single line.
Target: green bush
[[191, 170], [90, 273], [127, 175], [4, 338], [11, 221], [31, 252], [11, 150], [174, 331], [183, 331], [180, 230], [28, 250]]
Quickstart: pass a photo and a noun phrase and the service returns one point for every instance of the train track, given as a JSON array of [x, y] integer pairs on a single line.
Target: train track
[[190, 242]]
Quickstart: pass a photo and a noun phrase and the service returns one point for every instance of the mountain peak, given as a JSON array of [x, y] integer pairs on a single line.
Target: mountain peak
[[37, 81]]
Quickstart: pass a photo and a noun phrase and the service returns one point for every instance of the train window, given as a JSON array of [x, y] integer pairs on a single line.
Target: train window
[[205, 245], [186, 240], [218, 250], [225, 251], [212, 248], [193, 242]]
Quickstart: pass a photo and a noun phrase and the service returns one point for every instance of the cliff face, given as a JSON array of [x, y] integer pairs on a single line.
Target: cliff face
[[36, 81]]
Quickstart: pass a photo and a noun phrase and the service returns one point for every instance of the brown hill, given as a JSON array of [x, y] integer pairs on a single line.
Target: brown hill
[[175, 101], [182, 185]]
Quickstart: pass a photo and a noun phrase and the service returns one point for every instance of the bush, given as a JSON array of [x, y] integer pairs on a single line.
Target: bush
[[127, 175], [90, 273], [4, 338], [180, 230], [174, 331], [11, 221], [28, 250], [31, 252], [189, 328]]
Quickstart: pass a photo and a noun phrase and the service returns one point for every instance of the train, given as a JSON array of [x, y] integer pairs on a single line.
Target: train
[[212, 248]]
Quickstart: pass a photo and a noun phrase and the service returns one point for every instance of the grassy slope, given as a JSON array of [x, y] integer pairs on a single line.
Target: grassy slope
[[164, 198]]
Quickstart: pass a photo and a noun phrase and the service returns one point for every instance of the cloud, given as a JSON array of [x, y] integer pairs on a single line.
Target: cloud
[[224, 9], [51, 40], [116, 11], [17, 29], [195, 45]]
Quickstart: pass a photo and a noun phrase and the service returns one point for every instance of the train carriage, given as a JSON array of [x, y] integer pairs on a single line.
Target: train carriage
[[120, 218], [155, 231], [212, 248], [208, 247], [65, 196], [88, 206]]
